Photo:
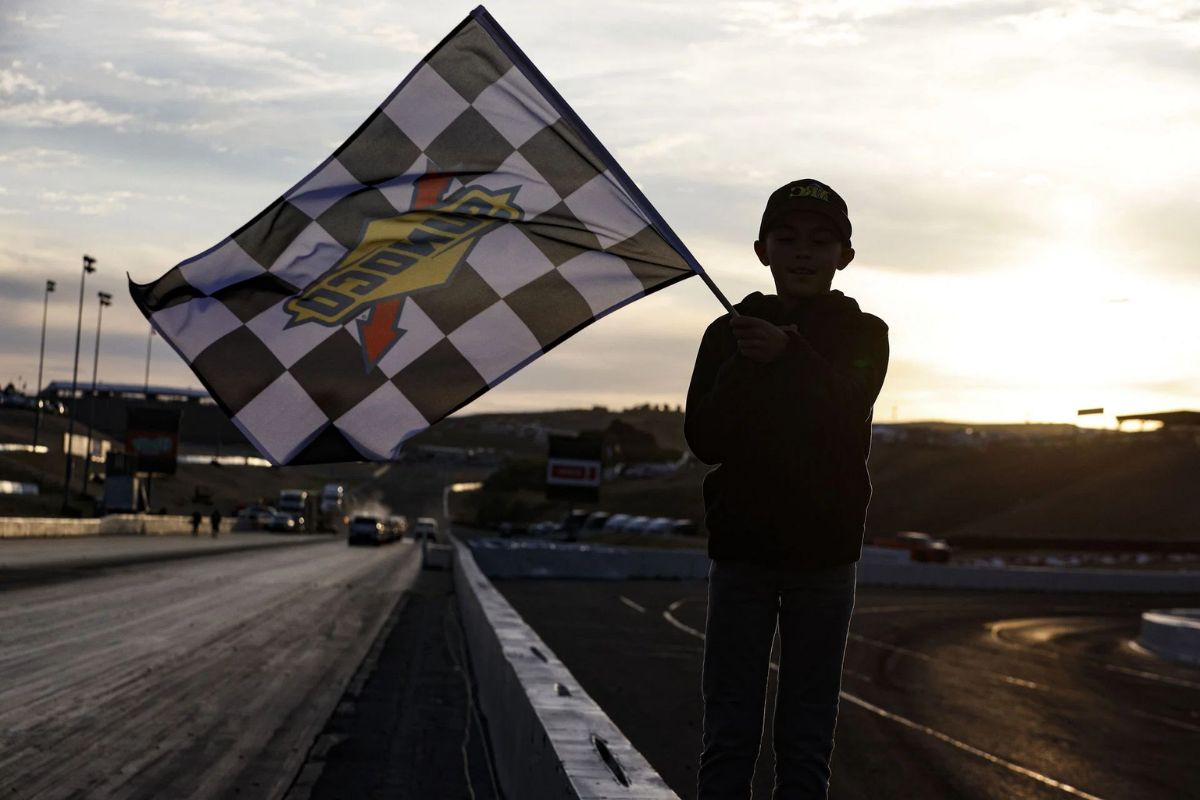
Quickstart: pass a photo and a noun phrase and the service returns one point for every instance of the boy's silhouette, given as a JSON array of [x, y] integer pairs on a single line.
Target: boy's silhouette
[[781, 399]]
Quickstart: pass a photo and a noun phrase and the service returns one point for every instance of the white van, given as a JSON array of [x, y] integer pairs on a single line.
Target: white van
[[426, 528]]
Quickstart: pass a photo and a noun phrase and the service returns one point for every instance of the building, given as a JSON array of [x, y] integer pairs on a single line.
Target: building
[[203, 426]]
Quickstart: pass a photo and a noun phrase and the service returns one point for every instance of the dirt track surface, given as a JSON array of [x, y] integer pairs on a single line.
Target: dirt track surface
[[945, 694], [207, 677]]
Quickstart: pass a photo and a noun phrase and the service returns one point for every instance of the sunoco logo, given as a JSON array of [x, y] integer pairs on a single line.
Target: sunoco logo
[[401, 255]]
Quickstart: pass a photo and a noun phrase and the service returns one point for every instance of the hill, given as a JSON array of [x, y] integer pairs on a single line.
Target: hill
[[967, 483], [1119, 487]]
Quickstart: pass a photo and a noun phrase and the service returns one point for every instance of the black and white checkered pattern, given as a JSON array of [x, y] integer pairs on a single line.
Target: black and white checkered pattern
[[472, 109]]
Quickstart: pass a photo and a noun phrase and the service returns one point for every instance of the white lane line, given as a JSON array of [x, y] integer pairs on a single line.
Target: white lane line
[[1150, 676], [916, 726], [1166, 720], [633, 605], [975, 751], [997, 630], [1015, 681], [669, 617]]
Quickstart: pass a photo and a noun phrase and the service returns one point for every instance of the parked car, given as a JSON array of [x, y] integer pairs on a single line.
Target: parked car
[[684, 527], [635, 525], [616, 522], [368, 530], [426, 528], [571, 523], [14, 400], [507, 529], [921, 546], [594, 523], [659, 526]]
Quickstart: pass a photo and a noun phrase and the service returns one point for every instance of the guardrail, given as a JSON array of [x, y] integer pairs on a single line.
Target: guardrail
[[879, 566], [1173, 634], [111, 525], [1027, 579], [556, 742]]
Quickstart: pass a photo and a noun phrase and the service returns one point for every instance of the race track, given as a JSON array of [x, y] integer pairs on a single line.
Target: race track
[[945, 694]]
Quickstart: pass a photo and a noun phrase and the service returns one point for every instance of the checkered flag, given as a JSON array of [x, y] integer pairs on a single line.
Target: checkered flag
[[471, 224]]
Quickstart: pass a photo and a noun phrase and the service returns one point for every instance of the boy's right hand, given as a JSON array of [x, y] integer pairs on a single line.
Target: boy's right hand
[[757, 339]]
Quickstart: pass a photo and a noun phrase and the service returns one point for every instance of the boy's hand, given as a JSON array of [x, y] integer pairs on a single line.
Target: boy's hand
[[759, 340]]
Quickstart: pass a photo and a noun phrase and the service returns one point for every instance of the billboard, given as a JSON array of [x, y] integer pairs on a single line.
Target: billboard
[[152, 437], [573, 468]]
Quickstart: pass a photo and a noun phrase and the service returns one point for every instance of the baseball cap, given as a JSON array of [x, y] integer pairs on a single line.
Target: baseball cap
[[806, 194]]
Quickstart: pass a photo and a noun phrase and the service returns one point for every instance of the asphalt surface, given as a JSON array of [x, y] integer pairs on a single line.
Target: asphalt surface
[[195, 677], [25, 562], [406, 727], [946, 694]]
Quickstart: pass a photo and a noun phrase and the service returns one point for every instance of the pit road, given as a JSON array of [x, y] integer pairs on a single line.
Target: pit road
[[203, 677]]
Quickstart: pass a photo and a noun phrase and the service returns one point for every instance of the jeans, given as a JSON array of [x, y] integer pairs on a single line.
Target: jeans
[[812, 610]]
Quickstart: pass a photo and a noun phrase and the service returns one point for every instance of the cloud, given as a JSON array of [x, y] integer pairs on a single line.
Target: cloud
[[15, 83], [243, 53], [133, 77], [46, 22], [40, 158], [60, 113], [89, 204]]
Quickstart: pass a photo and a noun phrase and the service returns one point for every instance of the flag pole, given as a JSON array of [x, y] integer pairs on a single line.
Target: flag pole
[[715, 290]]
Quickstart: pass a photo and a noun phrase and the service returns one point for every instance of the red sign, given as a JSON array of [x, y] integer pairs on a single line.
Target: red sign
[[572, 472]]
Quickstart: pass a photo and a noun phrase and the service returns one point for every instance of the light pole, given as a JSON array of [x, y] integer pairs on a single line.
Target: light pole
[[89, 266], [149, 341], [37, 419], [105, 301]]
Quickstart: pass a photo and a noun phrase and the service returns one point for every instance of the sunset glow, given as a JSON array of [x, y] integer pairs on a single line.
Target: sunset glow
[[1023, 181]]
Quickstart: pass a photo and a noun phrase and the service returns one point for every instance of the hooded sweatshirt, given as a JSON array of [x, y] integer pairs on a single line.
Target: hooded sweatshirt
[[791, 437]]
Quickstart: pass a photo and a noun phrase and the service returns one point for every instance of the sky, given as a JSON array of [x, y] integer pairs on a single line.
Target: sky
[[1023, 178]]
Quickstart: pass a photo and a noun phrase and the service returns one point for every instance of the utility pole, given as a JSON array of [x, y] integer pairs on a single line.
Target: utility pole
[[105, 301], [89, 266], [37, 419]]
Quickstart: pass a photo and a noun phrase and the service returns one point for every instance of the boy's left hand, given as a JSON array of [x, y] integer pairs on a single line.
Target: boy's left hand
[[759, 340]]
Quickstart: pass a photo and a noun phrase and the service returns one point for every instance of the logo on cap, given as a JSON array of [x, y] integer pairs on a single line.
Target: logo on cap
[[810, 190]]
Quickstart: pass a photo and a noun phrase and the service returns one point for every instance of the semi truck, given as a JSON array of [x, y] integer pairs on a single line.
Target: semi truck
[[313, 512]]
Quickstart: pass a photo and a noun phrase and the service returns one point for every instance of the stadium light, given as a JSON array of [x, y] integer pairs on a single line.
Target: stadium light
[[146, 384], [105, 302], [37, 419], [89, 266]]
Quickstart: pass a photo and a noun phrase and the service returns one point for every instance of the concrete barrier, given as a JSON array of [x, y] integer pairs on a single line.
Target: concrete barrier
[[879, 566], [111, 525], [1026, 579], [523, 558], [1173, 634], [551, 740]]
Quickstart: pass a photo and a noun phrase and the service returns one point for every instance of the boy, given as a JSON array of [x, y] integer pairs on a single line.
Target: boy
[[781, 398]]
